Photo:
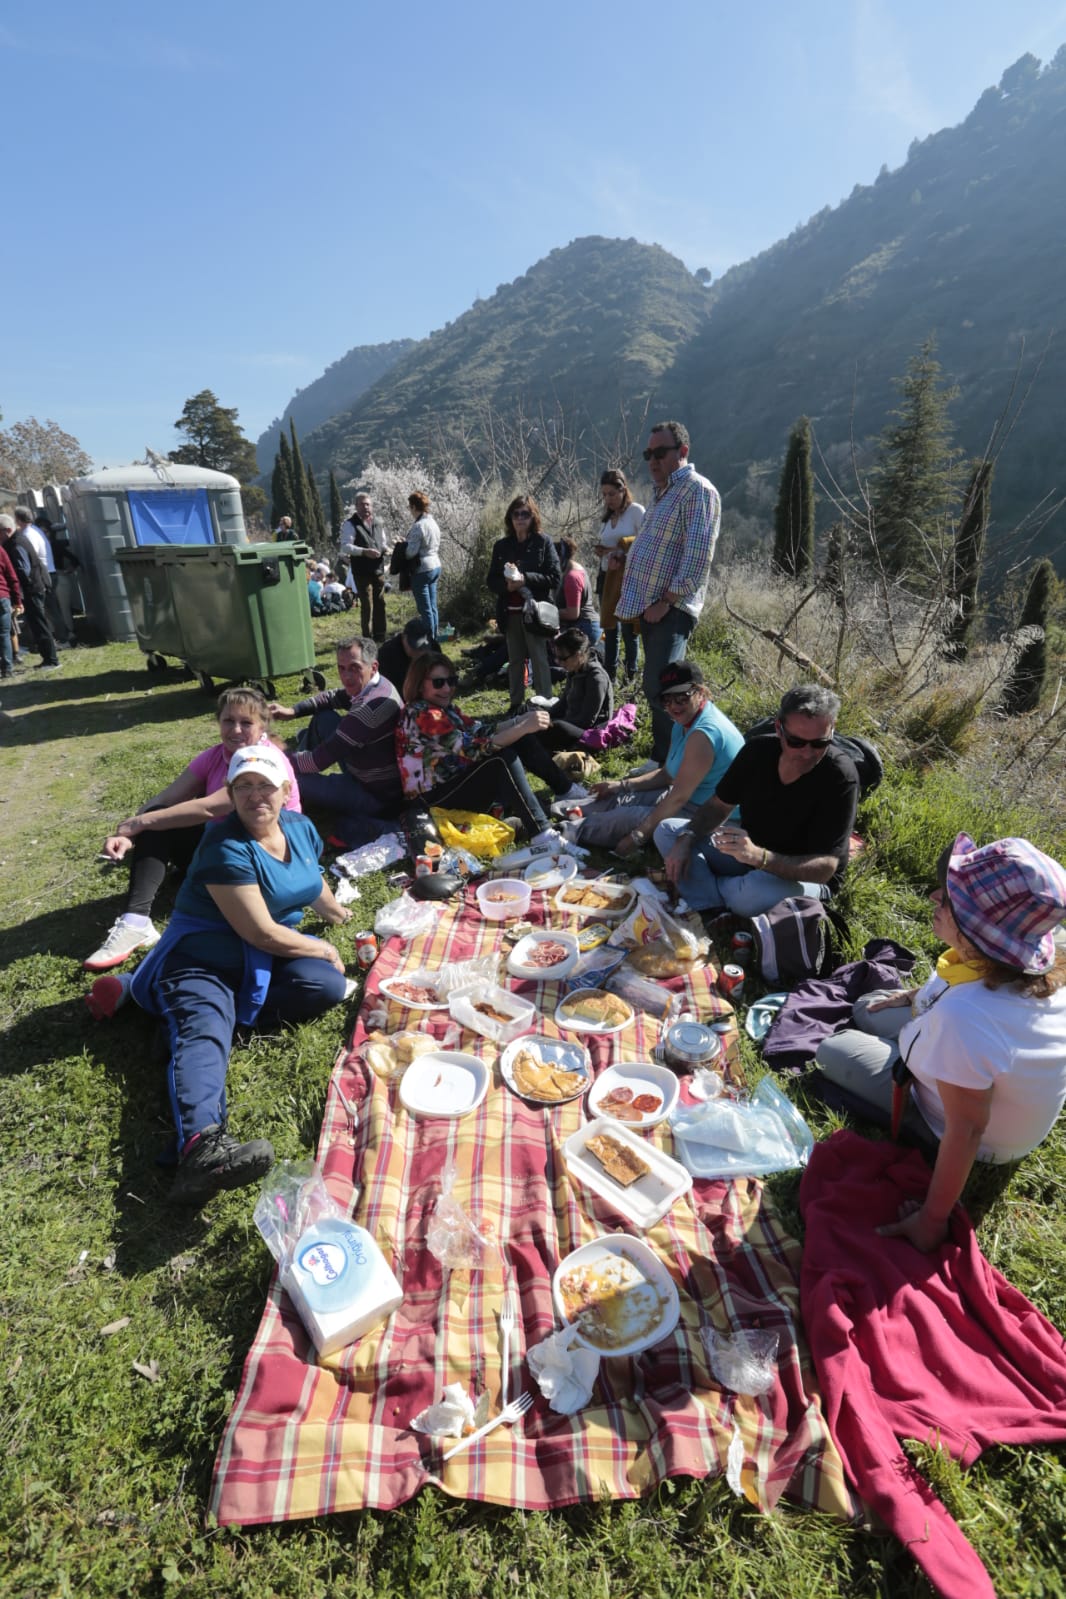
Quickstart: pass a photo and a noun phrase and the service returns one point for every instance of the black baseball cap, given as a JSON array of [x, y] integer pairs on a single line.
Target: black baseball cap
[[680, 674], [416, 635]]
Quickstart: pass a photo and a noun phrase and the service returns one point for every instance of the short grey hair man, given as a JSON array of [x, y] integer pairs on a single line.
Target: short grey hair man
[[809, 699]]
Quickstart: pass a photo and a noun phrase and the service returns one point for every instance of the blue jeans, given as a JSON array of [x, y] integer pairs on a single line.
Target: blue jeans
[[341, 792], [715, 881], [7, 660], [424, 591], [664, 642], [629, 648], [201, 1005]]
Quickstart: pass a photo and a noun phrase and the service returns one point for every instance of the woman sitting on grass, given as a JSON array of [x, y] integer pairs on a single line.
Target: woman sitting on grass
[[231, 953], [983, 1041], [168, 827], [447, 759]]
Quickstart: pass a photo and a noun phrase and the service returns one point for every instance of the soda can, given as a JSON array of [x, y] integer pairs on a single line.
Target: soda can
[[423, 866], [497, 811], [574, 814], [743, 941], [731, 981], [366, 948]]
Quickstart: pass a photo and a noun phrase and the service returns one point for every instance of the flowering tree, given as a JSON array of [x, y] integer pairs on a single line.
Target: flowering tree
[[34, 453]]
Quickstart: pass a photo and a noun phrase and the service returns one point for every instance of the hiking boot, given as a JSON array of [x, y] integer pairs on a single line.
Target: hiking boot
[[120, 944], [214, 1160]]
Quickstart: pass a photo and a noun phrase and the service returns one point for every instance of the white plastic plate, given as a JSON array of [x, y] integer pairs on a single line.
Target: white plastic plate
[[419, 980], [558, 1051], [545, 872], [648, 1199], [643, 1077], [444, 1083], [518, 960], [576, 1024], [650, 1267], [621, 895]]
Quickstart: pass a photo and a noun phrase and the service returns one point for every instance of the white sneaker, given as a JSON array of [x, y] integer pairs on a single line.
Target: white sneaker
[[645, 766], [119, 945], [350, 987]]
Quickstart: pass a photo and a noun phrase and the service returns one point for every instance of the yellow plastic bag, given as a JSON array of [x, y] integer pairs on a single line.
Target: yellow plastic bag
[[483, 836]]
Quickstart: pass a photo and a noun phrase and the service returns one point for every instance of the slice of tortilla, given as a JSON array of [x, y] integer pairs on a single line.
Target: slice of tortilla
[[617, 1160]]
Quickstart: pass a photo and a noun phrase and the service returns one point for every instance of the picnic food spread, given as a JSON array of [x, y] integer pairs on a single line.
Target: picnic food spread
[[542, 1079], [611, 1300]]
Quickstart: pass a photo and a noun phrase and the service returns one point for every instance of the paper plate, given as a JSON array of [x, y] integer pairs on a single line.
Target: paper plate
[[622, 899], [545, 872], [598, 1255], [643, 1078], [444, 1083], [575, 1024], [419, 980], [518, 960], [557, 1051]]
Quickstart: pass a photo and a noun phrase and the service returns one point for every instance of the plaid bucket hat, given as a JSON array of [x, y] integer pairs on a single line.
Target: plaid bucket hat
[[1008, 898]]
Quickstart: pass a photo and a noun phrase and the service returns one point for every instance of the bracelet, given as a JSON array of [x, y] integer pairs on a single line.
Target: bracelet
[[765, 858]]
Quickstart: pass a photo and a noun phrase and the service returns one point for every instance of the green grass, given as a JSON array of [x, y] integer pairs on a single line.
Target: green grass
[[104, 1474]]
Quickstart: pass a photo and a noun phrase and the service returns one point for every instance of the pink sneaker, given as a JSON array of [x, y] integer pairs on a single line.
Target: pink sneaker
[[106, 995]]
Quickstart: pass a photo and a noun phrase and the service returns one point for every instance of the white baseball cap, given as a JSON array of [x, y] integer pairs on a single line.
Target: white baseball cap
[[260, 760]]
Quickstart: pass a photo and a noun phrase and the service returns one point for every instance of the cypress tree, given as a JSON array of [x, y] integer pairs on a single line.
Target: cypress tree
[[969, 553], [794, 518], [304, 514], [318, 515], [1026, 682], [913, 483], [336, 508], [281, 491]]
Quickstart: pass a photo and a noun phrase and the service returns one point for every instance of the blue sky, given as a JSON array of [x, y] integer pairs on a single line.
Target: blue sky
[[229, 196]]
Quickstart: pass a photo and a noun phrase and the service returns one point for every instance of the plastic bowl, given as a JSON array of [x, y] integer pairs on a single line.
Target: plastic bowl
[[504, 899]]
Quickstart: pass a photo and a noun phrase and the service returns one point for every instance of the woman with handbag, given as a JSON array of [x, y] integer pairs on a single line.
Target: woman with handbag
[[423, 560], [524, 575]]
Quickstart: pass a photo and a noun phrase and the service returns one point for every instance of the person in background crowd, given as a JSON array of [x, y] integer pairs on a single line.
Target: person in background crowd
[[10, 604], [395, 656], [62, 563], [669, 563], [22, 542], [423, 555], [284, 531], [362, 540], [524, 566], [625, 814], [797, 795], [574, 594], [621, 520], [982, 1043], [167, 828]]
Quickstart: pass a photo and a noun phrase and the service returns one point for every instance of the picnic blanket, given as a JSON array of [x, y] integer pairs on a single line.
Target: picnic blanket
[[306, 1437]]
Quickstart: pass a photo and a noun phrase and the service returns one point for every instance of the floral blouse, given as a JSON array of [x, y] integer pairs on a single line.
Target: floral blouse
[[434, 743]]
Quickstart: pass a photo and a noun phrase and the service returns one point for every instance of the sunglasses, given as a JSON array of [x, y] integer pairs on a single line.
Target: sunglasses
[[678, 697], [523, 515], [443, 682], [795, 743], [660, 452]]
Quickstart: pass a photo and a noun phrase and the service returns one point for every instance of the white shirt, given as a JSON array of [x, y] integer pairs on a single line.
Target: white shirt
[[41, 545], [978, 1037], [625, 528]]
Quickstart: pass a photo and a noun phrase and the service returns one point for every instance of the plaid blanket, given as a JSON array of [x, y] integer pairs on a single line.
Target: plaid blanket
[[308, 1437]]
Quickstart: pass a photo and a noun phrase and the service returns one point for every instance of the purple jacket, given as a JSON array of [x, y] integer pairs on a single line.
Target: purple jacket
[[822, 1005]]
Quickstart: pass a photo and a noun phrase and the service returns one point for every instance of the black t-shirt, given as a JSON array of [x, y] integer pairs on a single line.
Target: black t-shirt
[[812, 816], [393, 661]]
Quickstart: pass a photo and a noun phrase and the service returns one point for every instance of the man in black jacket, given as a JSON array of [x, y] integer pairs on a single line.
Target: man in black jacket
[[364, 544], [33, 577]]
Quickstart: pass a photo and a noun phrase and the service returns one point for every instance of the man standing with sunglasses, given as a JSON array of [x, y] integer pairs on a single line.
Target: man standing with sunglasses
[[796, 792], [667, 569]]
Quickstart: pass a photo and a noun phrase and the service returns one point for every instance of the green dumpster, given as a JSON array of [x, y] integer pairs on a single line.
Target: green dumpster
[[234, 612]]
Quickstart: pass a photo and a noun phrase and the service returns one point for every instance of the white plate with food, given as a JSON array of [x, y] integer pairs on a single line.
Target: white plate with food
[[445, 1082], [549, 871], [593, 1010], [639, 1094], [418, 991], [637, 1179], [591, 898], [619, 1295], [543, 957], [545, 1071]]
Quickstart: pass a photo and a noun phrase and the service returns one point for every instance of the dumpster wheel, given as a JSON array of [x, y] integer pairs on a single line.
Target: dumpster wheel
[[313, 680], [206, 683], [265, 685], [155, 662]]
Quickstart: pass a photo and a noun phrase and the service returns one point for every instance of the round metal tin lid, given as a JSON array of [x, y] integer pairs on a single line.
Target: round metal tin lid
[[693, 1040]]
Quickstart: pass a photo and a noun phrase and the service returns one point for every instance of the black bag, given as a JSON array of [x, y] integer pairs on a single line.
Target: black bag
[[792, 942], [541, 617]]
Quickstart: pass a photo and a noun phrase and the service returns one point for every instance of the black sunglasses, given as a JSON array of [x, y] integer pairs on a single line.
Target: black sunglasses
[[660, 451], [677, 696], [796, 743], [522, 514], [444, 682]]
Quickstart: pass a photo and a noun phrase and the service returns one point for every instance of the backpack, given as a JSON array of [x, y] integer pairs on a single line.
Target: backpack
[[867, 758], [794, 940]]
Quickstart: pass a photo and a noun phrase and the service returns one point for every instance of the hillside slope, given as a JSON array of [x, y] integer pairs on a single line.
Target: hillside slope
[[339, 387]]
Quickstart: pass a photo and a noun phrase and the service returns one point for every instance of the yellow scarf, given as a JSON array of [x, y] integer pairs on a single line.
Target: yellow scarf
[[953, 969]]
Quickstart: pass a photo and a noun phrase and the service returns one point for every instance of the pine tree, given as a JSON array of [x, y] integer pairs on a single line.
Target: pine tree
[[282, 499], [1026, 682], [213, 438], [336, 509], [968, 557], [304, 514], [794, 518], [318, 515], [913, 483]]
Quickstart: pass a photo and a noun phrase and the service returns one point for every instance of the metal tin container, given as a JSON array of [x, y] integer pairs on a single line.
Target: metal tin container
[[689, 1044]]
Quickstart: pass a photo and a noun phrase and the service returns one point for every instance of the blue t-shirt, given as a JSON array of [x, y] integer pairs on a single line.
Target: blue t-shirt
[[227, 855], [725, 740]]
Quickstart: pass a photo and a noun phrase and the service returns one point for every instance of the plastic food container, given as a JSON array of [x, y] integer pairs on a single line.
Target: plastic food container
[[504, 899], [619, 896], [462, 1006], [648, 1199]]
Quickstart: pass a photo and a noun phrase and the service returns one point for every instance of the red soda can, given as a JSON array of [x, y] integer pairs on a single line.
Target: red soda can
[[574, 813], [731, 981], [423, 866], [743, 945], [366, 948]]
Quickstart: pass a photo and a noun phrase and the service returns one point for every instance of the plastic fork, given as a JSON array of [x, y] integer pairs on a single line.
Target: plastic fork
[[507, 1417], [506, 1329]]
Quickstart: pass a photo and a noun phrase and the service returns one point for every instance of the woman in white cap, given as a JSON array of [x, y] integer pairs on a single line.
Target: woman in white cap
[[982, 1044], [232, 953]]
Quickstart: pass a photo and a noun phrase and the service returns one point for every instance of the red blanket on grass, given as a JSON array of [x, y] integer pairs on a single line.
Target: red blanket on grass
[[305, 1438]]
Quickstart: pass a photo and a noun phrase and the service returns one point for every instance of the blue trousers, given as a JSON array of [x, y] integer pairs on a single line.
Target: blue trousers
[[610, 648], [715, 881], [424, 592], [7, 660], [200, 1004]]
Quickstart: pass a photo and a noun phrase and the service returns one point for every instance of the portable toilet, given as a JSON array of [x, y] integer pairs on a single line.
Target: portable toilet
[[130, 507]]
